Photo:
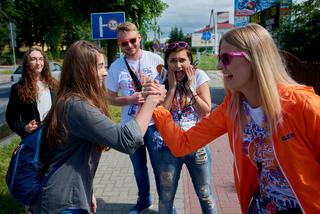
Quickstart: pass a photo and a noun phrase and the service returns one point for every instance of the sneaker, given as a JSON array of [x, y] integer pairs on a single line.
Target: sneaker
[[141, 206]]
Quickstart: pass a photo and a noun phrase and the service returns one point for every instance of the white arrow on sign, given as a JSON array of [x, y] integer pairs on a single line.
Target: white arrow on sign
[[101, 26]]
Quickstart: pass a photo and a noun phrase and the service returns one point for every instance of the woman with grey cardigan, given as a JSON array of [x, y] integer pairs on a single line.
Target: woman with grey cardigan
[[79, 126]]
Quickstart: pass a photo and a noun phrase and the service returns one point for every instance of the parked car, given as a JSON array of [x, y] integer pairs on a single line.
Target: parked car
[[54, 67]]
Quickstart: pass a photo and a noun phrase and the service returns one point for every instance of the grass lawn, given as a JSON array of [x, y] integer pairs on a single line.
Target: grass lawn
[[7, 203], [207, 62], [6, 72]]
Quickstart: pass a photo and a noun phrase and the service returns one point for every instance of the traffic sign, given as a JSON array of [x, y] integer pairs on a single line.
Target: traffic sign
[[104, 25], [206, 36]]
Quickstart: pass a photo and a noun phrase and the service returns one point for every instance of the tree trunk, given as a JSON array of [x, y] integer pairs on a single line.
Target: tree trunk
[[112, 50]]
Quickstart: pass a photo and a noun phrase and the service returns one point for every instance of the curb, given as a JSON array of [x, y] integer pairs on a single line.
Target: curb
[[7, 140]]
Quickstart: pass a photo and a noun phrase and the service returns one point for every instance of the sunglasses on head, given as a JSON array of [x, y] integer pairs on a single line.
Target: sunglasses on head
[[225, 58], [126, 43], [174, 45]]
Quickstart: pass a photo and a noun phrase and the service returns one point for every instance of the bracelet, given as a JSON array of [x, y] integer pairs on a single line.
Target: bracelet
[[193, 99]]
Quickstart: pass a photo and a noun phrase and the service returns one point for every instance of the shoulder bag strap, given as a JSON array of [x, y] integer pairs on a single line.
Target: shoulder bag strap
[[133, 76]]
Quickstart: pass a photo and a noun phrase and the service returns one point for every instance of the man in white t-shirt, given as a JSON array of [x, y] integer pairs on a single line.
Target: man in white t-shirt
[[143, 64]]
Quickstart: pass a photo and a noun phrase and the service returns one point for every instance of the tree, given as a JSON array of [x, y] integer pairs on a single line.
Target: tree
[[58, 23], [175, 35], [140, 12], [299, 34], [178, 35], [7, 14]]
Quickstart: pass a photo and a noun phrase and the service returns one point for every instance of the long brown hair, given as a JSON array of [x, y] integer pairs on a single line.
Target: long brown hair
[[27, 86], [79, 78]]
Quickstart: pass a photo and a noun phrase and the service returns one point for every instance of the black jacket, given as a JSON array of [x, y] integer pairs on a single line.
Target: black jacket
[[19, 113]]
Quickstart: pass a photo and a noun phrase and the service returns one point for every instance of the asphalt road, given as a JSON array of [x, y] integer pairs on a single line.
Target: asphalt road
[[4, 97]]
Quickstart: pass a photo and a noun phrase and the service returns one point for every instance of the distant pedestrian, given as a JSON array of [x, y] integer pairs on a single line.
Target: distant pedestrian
[[273, 125], [143, 64], [31, 98], [79, 128], [188, 99]]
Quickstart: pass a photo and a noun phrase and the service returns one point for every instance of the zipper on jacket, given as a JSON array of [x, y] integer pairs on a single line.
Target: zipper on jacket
[[275, 155]]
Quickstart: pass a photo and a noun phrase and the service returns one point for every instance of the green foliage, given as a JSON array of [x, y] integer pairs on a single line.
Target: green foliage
[[7, 203], [7, 14], [58, 23], [4, 129], [115, 112], [148, 45], [178, 35], [299, 34]]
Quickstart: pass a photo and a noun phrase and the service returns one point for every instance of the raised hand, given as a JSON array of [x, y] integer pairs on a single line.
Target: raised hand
[[152, 87], [31, 126], [172, 80], [137, 98], [190, 71]]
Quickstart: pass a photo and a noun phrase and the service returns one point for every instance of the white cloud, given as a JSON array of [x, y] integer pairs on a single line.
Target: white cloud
[[190, 15]]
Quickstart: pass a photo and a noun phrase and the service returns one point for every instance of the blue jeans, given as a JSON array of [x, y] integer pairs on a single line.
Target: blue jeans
[[141, 174], [74, 211], [167, 170]]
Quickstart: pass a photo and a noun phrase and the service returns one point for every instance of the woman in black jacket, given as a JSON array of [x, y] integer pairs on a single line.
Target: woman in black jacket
[[31, 98]]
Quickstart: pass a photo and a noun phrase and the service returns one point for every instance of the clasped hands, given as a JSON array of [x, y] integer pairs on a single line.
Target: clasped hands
[[153, 89]]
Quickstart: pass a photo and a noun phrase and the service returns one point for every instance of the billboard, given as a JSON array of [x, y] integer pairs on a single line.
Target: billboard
[[268, 18], [205, 39], [223, 17], [249, 7]]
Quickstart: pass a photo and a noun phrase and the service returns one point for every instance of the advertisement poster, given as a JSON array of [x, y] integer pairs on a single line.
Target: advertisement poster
[[249, 7], [240, 21], [223, 17], [205, 39]]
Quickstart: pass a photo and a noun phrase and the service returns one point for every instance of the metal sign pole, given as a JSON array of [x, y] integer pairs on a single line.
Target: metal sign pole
[[215, 32], [12, 44]]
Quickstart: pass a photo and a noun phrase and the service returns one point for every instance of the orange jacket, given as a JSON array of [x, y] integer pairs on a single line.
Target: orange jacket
[[296, 145]]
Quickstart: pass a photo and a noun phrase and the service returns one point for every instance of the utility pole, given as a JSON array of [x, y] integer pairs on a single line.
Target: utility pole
[[216, 33], [213, 18]]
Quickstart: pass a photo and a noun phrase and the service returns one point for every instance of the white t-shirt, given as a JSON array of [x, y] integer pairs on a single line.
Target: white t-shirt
[[189, 117], [119, 78], [44, 102]]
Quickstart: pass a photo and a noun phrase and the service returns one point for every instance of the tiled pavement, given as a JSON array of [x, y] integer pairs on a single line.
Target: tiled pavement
[[115, 186]]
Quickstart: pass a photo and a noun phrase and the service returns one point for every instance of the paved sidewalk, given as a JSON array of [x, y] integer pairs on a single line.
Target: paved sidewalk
[[116, 191]]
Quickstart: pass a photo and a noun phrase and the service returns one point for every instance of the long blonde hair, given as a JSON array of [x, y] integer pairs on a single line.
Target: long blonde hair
[[79, 78], [268, 69]]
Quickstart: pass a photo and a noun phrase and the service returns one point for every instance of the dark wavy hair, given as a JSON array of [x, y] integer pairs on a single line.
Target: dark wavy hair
[[27, 86]]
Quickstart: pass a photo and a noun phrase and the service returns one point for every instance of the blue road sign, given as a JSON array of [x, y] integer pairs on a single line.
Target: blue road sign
[[104, 25], [206, 36]]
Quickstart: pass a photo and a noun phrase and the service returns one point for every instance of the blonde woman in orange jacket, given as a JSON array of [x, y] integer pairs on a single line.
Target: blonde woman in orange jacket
[[273, 125]]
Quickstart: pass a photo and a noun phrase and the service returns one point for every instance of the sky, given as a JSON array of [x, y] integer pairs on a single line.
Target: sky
[[191, 15]]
